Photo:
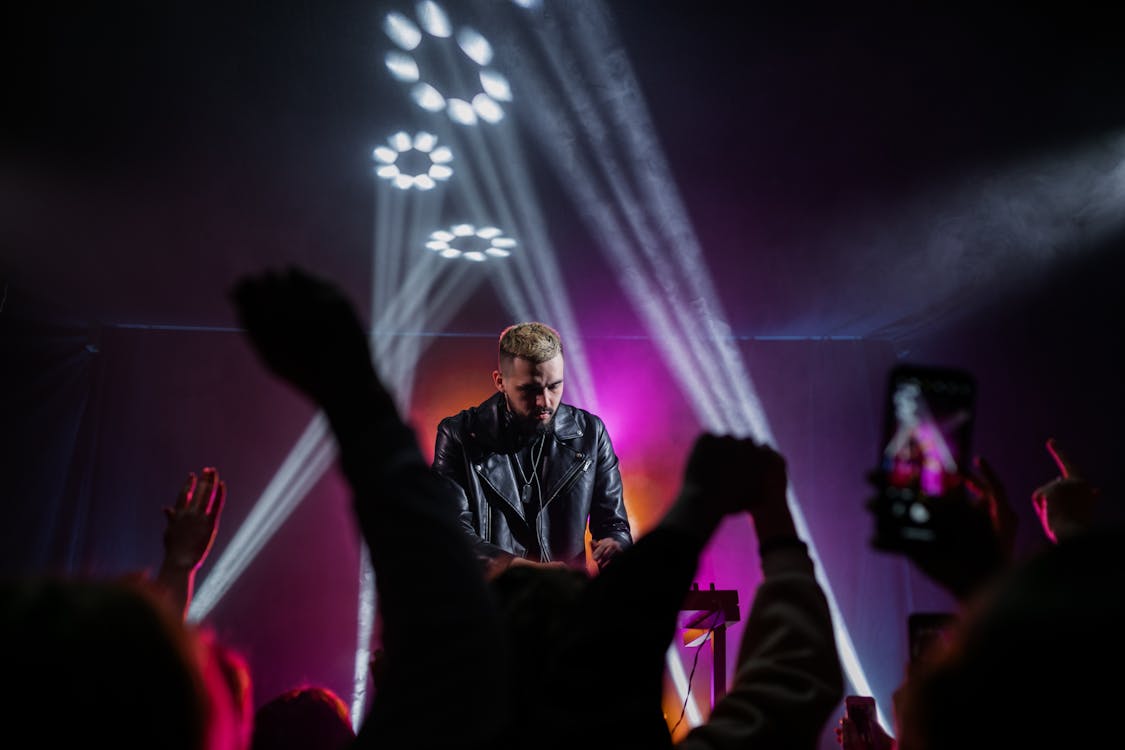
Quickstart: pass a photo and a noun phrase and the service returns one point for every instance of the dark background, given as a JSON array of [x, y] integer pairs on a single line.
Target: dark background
[[936, 183]]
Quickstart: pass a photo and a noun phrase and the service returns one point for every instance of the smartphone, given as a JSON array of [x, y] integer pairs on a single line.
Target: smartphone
[[860, 710], [928, 633], [928, 426]]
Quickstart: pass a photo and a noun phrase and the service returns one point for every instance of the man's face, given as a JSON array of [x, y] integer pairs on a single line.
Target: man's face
[[533, 391]]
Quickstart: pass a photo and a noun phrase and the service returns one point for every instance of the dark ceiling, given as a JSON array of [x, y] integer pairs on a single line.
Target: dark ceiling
[[829, 156]]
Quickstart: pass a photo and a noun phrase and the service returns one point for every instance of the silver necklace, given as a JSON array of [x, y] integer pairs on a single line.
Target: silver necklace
[[532, 476]]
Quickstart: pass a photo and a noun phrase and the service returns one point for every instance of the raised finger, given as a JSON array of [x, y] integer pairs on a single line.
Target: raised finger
[[1066, 466], [204, 491], [216, 507], [1039, 499], [989, 475], [185, 492]]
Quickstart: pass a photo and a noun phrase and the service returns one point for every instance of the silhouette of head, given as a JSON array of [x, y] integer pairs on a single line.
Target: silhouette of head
[[304, 718], [102, 664]]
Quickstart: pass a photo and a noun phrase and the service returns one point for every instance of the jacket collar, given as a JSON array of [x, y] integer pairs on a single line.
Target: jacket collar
[[492, 420]]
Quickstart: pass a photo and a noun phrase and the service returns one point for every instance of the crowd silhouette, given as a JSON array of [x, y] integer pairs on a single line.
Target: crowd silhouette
[[553, 657]]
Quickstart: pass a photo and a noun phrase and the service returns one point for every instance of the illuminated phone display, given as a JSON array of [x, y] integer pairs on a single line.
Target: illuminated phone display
[[929, 421]]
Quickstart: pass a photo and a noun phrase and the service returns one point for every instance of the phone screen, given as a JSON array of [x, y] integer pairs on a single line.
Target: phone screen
[[929, 421], [860, 710]]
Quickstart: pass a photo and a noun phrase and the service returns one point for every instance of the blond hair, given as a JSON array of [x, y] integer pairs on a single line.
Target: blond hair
[[535, 342]]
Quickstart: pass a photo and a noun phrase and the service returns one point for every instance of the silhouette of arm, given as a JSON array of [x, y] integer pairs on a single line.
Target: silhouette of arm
[[443, 674], [788, 679]]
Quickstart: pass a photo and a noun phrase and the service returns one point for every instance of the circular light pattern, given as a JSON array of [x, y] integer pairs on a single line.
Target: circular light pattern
[[433, 18], [402, 66], [471, 243], [434, 22], [390, 167], [402, 31], [473, 44]]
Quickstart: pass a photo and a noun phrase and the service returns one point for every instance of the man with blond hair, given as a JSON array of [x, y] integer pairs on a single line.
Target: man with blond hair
[[533, 471]]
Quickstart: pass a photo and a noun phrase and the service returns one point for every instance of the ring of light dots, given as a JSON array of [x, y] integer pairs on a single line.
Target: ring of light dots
[[433, 21], [425, 143], [445, 242]]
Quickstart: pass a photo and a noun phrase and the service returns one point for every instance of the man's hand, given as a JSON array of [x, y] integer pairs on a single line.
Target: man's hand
[[973, 535], [193, 521], [850, 737], [1065, 505], [499, 565], [604, 550], [307, 333]]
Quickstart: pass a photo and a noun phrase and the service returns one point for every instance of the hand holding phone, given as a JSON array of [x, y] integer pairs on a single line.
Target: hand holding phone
[[928, 421], [860, 713], [923, 506]]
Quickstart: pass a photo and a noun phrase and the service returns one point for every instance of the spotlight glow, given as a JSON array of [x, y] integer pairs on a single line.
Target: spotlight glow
[[402, 66], [495, 85], [468, 242], [427, 97], [475, 46], [403, 143], [487, 109], [440, 172], [384, 154], [441, 155], [460, 111], [464, 108], [424, 141], [402, 31], [433, 19]]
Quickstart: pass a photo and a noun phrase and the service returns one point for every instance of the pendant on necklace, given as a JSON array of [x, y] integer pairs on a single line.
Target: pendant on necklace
[[525, 493]]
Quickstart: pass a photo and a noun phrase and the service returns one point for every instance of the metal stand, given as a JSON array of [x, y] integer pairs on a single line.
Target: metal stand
[[707, 614]]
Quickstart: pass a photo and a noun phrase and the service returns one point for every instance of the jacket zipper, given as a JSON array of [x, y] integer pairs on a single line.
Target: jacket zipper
[[569, 480]]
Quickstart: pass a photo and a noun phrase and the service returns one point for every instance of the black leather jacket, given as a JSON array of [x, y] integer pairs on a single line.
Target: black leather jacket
[[581, 481]]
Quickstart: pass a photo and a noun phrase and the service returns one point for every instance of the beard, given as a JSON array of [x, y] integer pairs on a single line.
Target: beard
[[530, 426]]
